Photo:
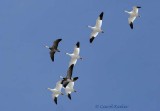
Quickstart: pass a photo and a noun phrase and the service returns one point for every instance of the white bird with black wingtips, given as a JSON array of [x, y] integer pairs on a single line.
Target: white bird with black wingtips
[[54, 48], [56, 91], [133, 15], [75, 55], [69, 89], [97, 28]]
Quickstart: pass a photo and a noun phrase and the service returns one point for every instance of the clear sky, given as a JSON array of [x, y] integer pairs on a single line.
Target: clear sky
[[121, 67]]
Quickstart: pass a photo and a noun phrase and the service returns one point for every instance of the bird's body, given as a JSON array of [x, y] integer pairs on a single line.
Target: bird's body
[[75, 55], [54, 48], [97, 28], [133, 15], [56, 91]]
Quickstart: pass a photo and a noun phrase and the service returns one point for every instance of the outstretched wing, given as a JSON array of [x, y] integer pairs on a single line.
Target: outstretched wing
[[55, 99], [93, 35], [99, 20], [52, 55], [69, 72], [131, 20], [59, 85], [55, 43]]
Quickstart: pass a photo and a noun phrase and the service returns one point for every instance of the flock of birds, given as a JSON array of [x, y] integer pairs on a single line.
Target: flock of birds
[[67, 83]]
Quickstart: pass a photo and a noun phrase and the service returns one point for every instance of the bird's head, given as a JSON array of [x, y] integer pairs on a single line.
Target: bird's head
[[46, 46]]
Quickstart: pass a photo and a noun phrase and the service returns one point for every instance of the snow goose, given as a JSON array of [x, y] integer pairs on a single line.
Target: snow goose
[[68, 78], [75, 55], [133, 14], [56, 91], [54, 48], [69, 89], [97, 28]]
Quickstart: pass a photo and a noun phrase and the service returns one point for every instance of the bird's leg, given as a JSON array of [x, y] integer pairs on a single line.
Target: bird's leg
[[81, 58]]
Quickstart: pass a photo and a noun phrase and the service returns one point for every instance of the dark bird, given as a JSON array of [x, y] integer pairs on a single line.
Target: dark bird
[[68, 78], [54, 48]]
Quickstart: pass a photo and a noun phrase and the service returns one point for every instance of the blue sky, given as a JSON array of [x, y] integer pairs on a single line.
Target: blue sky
[[122, 66]]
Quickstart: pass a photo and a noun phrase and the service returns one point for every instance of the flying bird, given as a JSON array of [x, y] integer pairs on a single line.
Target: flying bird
[[69, 89], [133, 14], [56, 91], [54, 48], [75, 55], [97, 28], [68, 78]]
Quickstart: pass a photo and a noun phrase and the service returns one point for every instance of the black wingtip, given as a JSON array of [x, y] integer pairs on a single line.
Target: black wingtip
[[55, 100], [75, 78], [52, 58], [138, 7], [59, 39], [78, 44], [131, 25], [91, 39], [69, 96], [101, 16]]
